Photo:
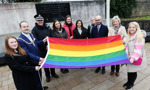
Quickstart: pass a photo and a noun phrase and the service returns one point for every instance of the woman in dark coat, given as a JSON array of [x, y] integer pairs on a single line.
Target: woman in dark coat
[[22, 67], [80, 32], [60, 32]]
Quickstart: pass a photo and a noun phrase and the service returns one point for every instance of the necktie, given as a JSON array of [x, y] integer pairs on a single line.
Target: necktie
[[98, 29]]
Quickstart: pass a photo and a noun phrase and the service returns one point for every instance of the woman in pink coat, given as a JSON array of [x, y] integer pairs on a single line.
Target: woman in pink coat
[[69, 26], [135, 50]]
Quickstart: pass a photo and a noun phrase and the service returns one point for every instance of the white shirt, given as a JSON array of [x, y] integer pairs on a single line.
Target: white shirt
[[80, 31], [28, 36]]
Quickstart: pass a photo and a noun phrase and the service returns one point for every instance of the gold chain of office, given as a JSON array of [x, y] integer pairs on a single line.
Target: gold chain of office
[[28, 42]]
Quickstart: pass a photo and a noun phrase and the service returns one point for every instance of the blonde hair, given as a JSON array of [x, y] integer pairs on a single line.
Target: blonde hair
[[138, 32], [10, 51]]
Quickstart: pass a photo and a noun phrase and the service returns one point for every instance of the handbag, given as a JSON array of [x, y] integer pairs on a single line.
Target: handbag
[[138, 62]]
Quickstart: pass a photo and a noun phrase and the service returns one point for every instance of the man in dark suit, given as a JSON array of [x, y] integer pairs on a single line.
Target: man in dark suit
[[98, 31], [30, 45]]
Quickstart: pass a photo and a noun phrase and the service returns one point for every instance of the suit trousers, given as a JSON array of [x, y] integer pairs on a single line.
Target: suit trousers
[[47, 71], [117, 67]]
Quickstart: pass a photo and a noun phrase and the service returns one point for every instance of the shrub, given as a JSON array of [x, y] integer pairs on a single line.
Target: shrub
[[122, 8]]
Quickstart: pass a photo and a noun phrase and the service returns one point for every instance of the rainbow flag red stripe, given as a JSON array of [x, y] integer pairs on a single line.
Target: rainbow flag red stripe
[[85, 53]]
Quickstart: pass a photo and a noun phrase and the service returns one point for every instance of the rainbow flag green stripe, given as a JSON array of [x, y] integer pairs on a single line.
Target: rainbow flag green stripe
[[85, 53]]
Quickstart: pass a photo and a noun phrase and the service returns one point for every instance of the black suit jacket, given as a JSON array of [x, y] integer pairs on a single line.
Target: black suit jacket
[[103, 32], [77, 35]]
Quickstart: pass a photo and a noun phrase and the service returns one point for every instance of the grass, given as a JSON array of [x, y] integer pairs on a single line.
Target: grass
[[137, 18]]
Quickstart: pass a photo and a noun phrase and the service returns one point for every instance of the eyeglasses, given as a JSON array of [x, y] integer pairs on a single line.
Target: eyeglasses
[[98, 20]]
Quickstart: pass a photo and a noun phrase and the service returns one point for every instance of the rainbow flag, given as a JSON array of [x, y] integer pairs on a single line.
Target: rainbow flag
[[85, 53]]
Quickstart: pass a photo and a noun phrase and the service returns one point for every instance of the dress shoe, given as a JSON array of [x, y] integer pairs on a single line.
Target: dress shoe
[[129, 87], [48, 79], [117, 74], [55, 75], [63, 71], [111, 73], [66, 70], [45, 87], [97, 70], [103, 71], [125, 85]]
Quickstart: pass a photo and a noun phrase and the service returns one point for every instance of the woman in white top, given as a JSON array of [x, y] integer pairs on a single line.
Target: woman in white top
[[80, 32]]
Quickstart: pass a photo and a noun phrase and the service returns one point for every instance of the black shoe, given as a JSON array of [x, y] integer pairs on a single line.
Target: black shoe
[[97, 70], [45, 87], [55, 75], [48, 79], [129, 87], [66, 70], [125, 85], [103, 71], [63, 71]]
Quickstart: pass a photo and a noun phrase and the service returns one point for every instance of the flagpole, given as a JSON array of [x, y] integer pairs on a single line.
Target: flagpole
[[108, 13]]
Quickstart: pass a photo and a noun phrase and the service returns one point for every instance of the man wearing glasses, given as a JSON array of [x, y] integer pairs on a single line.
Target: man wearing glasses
[[98, 31]]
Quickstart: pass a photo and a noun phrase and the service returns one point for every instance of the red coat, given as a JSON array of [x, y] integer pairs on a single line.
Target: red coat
[[67, 29]]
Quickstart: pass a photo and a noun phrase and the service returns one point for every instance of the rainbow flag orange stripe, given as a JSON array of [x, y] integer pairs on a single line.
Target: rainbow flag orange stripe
[[85, 53]]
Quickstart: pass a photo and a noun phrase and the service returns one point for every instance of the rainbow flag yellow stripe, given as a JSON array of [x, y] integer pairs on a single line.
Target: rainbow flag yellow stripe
[[85, 53]]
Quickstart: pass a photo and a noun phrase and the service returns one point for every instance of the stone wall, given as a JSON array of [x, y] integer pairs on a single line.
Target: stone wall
[[12, 14], [85, 10], [142, 8]]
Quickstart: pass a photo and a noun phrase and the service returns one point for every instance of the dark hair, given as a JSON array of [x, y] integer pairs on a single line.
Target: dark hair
[[81, 23], [54, 28], [66, 20], [21, 23]]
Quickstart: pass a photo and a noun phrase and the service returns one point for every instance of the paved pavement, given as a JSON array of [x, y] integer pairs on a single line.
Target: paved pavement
[[86, 79]]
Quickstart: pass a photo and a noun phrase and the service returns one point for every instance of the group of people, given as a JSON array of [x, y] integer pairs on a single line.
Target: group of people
[[25, 54]]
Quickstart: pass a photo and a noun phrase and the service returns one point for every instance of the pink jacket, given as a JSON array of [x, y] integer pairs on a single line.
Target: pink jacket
[[135, 50], [67, 29]]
